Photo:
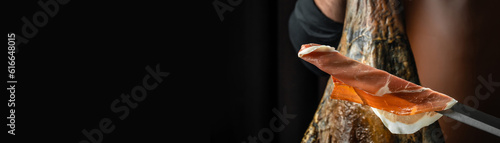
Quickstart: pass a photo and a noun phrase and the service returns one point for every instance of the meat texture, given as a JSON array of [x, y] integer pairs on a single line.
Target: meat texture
[[374, 35], [361, 83]]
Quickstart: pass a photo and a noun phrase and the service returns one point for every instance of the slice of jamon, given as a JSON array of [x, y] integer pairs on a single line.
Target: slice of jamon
[[361, 83], [402, 106]]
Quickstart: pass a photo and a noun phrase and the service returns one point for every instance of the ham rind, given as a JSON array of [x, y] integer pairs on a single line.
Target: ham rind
[[361, 83]]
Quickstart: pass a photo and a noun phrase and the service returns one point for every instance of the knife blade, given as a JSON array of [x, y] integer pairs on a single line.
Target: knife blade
[[473, 117]]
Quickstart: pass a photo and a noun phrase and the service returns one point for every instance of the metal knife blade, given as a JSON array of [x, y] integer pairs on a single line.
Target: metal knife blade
[[473, 117]]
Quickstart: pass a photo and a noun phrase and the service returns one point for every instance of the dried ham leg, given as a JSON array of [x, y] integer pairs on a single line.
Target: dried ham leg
[[404, 107]]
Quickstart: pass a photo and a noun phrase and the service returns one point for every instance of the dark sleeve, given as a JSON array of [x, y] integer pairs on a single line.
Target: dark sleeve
[[307, 24]]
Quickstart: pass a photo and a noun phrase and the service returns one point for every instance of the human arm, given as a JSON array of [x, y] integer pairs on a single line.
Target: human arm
[[308, 24]]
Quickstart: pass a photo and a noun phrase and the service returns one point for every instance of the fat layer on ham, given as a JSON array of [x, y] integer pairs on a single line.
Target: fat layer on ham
[[404, 107], [368, 85]]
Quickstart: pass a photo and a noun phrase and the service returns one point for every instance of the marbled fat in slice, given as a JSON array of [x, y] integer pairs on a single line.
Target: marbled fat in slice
[[361, 83], [402, 106]]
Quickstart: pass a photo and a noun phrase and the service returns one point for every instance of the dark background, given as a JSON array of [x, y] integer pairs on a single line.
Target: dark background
[[225, 78]]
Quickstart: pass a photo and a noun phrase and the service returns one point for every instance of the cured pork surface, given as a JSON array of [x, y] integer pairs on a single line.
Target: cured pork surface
[[361, 83], [373, 34]]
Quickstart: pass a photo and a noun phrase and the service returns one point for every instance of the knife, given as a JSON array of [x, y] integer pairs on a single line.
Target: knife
[[473, 117]]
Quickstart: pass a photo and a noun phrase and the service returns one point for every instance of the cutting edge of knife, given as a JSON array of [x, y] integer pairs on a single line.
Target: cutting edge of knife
[[473, 117]]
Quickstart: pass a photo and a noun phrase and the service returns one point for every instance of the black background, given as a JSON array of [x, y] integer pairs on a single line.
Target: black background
[[225, 76]]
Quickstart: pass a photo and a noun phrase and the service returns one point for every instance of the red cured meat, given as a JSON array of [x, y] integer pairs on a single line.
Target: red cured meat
[[361, 83]]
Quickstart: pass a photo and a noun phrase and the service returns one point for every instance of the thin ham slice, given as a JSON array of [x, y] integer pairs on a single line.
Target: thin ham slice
[[402, 106], [361, 83]]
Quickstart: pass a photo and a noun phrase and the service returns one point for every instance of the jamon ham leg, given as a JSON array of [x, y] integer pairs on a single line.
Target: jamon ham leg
[[361, 83], [373, 34]]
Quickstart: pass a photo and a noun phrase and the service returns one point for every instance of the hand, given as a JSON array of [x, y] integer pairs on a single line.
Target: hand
[[333, 9]]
